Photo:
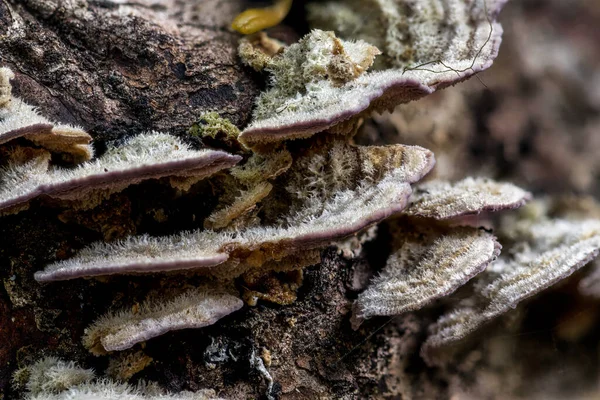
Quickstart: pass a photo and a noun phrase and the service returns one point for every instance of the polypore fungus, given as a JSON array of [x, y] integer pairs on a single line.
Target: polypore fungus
[[53, 379], [321, 81], [431, 260], [360, 186], [104, 389], [436, 38], [444, 200], [193, 309], [19, 119], [51, 375], [425, 264], [143, 157], [315, 84], [544, 252]]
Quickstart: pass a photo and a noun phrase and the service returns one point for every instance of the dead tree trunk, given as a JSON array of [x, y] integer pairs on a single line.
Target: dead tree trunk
[[121, 68]]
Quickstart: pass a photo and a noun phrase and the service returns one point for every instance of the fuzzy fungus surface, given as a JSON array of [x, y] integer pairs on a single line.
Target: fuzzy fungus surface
[[444, 200], [425, 264], [246, 216], [151, 156], [321, 81], [312, 221], [51, 378], [51, 375], [544, 252], [193, 309]]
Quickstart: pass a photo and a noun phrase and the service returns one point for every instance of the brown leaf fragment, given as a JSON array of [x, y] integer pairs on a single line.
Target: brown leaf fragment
[[425, 264], [444, 200]]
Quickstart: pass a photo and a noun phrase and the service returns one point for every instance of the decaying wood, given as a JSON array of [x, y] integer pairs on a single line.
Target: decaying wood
[[119, 68]]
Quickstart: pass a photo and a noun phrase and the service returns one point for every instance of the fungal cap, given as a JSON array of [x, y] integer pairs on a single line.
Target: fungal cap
[[444, 200], [143, 157], [299, 105], [319, 221], [192, 309], [545, 253], [426, 265]]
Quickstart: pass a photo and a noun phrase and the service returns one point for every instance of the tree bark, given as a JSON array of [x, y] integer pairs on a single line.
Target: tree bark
[[120, 68]]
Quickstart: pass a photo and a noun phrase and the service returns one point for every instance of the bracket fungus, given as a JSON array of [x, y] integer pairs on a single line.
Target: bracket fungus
[[543, 252], [51, 378], [312, 222], [19, 119], [51, 375], [192, 309], [142, 157], [432, 40], [269, 207], [320, 81], [121, 391], [444, 200], [424, 265], [430, 260]]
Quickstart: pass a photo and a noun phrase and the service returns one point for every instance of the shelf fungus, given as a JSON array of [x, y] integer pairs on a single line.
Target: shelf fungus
[[444, 200], [103, 389], [51, 375], [425, 264], [143, 157], [322, 80], [194, 308], [53, 379], [356, 188], [541, 253], [21, 120], [437, 42], [432, 259]]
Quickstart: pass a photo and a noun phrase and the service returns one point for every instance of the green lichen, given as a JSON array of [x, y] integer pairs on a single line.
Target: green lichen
[[213, 127]]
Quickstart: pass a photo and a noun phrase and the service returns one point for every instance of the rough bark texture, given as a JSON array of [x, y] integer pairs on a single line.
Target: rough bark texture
[[151, 65], [161, 64]]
